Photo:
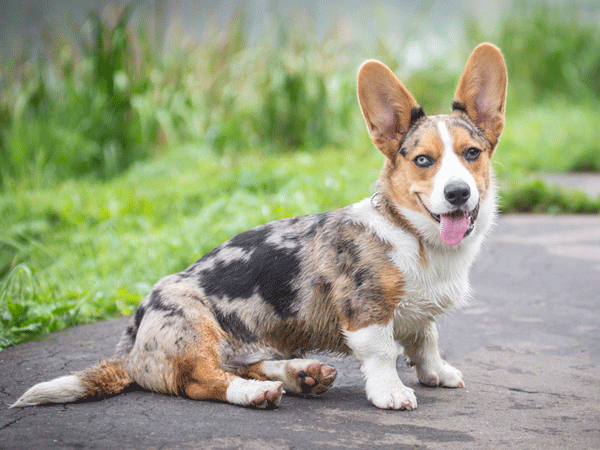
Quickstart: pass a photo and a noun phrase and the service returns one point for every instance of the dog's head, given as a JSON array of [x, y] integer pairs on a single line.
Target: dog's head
[[437, 170]]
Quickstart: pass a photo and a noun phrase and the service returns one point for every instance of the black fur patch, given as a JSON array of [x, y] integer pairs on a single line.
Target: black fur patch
[[270, 273], [322, 285], [231, 323], [139, 315], [150, 346], [360, 276], [349, 311], [347, 256], [471, 127], [156, 303], [458, 106], [179, 343], [317, 225], [131, 332], [415, 114], [250, 239]]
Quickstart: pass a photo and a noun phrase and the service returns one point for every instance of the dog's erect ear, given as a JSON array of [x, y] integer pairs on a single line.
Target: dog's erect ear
[[482, 90], [387, 106]]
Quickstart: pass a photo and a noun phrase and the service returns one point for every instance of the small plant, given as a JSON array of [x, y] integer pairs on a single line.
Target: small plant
[[536, 196]]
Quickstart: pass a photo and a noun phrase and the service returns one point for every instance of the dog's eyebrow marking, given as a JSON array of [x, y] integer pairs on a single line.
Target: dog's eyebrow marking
[[470, 127]]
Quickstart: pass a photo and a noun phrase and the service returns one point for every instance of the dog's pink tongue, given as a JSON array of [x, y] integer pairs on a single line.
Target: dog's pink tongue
[[452, 230]]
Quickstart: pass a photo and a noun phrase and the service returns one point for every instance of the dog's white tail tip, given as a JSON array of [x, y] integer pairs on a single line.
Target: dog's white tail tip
[[60, 390]]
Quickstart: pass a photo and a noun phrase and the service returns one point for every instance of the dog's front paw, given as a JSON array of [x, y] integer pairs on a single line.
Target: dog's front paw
[[444, 375], [400, 397]]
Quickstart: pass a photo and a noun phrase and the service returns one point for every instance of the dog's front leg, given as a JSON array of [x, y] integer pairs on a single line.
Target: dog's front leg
[[377, 351], [421, 349]]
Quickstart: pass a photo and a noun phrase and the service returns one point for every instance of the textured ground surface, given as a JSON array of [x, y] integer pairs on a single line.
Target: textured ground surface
[[528, 346]]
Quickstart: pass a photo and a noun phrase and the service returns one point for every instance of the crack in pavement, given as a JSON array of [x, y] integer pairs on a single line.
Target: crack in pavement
[[21, 416], [525, 391]]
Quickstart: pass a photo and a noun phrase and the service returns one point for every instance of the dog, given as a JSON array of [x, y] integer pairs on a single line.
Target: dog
[[366, 280]]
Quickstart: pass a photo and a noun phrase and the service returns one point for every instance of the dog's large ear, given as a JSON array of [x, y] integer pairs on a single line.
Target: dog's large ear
[[481, 90], [387, 106]]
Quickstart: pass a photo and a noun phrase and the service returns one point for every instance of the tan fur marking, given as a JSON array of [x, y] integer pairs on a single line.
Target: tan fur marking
[[393, 290], [210, 385], [402, 180], [254, 371], [199, 374], [391, 286], [105, 378], [387, 209]]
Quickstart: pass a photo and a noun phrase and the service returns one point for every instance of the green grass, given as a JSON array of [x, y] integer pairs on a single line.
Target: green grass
[[88, 250], [551, 137], [533, 195], [121, 163]]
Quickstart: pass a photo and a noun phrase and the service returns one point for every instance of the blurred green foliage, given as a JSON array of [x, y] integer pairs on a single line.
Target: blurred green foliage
[[118, 94], [127, 153], [551, 51]]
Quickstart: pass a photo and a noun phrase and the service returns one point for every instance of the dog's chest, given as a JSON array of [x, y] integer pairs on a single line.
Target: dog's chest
[[432, 282], [431, 291], [441, 285]]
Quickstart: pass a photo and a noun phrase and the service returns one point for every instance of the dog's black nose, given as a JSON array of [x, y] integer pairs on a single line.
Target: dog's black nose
[[457, 193]]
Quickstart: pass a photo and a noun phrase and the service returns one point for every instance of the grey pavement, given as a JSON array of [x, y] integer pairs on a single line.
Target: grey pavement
[[528, 345], [588, 183]]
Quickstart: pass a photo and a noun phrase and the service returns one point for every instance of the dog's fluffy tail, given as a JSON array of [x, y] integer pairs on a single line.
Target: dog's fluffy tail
[[105, 378]]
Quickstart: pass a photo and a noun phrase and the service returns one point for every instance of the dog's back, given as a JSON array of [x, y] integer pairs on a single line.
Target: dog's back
[[234, 326]]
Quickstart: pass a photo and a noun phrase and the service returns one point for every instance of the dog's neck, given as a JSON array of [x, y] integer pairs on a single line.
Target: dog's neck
[[386, 207]]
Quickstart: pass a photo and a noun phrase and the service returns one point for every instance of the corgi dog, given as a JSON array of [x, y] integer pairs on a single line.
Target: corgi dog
[[367, 280]]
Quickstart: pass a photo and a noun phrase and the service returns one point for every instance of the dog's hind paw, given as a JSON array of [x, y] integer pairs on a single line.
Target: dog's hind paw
[[308, 377]]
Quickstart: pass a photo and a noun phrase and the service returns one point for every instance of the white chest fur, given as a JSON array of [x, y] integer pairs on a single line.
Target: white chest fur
[[441, 282]]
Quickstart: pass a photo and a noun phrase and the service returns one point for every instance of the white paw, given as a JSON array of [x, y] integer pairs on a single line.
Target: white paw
[[444, 375], [401, 397], [261, 394]]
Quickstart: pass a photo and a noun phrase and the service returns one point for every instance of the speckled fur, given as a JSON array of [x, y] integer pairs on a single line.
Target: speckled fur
[[359, 280]]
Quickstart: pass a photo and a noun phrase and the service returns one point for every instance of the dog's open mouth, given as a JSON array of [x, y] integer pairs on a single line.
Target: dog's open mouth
[[456, 225]]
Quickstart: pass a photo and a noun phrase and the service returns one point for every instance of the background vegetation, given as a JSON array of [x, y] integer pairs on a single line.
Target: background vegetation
[[123, 159]]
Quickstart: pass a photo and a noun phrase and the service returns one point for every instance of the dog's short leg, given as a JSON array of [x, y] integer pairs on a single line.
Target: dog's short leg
[[300, 376], [377, 351], [206, 382], [421, 349], [198, 373]]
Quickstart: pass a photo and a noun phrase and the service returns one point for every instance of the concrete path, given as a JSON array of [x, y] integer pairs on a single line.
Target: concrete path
[[588, 183], [529, 346]]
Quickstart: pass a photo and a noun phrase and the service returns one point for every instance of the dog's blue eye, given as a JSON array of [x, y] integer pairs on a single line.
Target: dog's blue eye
[[424, 161], [471, 154]]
